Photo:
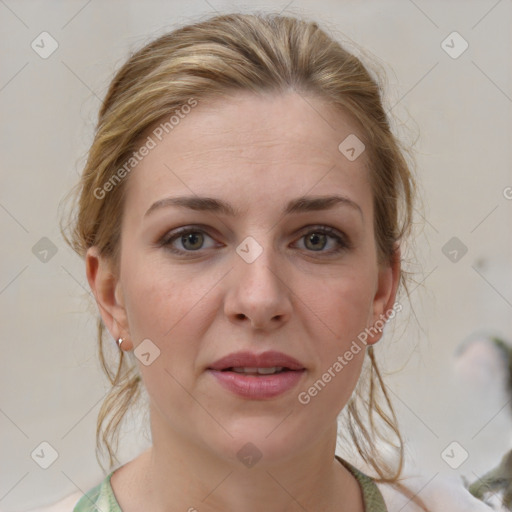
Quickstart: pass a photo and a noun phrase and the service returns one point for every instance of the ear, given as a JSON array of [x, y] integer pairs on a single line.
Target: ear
[[107, 291], [385, 294]]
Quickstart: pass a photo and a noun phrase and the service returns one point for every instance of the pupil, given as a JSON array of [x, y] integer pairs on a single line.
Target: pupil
[[315, 237], [193, 238]]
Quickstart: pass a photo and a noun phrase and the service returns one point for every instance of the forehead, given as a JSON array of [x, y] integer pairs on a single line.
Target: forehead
[[249, 146]]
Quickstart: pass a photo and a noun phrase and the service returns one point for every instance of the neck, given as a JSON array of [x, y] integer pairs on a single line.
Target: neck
[[181, 475]]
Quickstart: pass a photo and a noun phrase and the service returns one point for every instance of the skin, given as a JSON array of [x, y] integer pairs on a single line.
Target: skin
[[257, 153]]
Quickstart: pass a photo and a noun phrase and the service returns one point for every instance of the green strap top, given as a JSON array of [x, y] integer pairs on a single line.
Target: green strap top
[[372, 498], [102, 496]]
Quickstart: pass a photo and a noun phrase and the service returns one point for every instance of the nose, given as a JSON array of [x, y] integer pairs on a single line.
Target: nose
[[258, 293]]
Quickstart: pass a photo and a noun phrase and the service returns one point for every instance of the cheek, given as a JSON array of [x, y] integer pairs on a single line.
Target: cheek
[[165, 311], [148, 306], [338, 313], [160, 299], [173, 310], [343, 305]]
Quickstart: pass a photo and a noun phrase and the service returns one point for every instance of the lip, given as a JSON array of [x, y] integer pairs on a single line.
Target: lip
[[251, 360], [258, 388], [262, 386]]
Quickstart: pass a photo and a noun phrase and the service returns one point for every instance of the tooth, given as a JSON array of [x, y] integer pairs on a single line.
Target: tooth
[[245, 370], [256, 371], [265, 371]]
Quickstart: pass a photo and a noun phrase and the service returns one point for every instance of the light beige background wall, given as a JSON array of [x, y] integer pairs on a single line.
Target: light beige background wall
[[460, 108]]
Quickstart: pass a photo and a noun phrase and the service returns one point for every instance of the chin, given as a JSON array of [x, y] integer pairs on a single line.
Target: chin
[[247, 444]]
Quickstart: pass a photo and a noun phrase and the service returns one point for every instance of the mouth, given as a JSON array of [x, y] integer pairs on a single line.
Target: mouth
[[258, 371], [258, 383], [265, 363], [255, 376]]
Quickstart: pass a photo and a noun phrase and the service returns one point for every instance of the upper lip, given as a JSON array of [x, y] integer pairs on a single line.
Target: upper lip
[[247, 359]]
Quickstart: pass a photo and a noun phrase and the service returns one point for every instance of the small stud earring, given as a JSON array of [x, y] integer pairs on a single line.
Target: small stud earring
[[119, 341]]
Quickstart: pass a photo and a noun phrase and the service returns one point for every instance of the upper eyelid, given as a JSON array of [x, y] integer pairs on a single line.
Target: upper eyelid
[[206, 229], [329, 231]]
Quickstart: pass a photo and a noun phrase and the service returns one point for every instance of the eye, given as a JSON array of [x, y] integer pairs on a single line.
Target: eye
[[191, 239], [317, 238]]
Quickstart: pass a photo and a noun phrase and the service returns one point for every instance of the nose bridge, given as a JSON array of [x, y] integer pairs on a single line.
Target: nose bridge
[[258, 291], [257, 266]]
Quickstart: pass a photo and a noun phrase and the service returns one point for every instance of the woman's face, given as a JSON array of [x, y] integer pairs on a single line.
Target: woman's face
[[257, 274]]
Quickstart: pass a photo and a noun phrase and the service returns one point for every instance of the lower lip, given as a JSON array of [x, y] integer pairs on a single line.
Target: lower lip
[[258, 387]]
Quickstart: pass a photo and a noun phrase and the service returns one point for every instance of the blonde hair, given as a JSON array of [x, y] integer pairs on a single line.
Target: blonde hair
[[246, 52]]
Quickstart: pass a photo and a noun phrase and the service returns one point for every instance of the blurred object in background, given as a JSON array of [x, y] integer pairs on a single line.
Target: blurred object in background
[[495, 487], [483, 369]]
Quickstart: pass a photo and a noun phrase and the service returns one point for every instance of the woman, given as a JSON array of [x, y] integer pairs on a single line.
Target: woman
[[240, 216]]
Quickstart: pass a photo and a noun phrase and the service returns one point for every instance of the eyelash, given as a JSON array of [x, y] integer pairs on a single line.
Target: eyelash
[[340, 238]]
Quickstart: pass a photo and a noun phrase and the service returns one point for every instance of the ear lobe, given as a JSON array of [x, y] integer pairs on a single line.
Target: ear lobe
[[385, 295], [106, 289]]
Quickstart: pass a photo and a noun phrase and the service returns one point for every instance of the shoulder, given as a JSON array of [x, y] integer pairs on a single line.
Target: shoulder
[[438, 492], [372, 497], [100, 497]]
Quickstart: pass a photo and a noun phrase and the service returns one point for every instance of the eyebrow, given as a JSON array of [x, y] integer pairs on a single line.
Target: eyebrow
[[210, 204]]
